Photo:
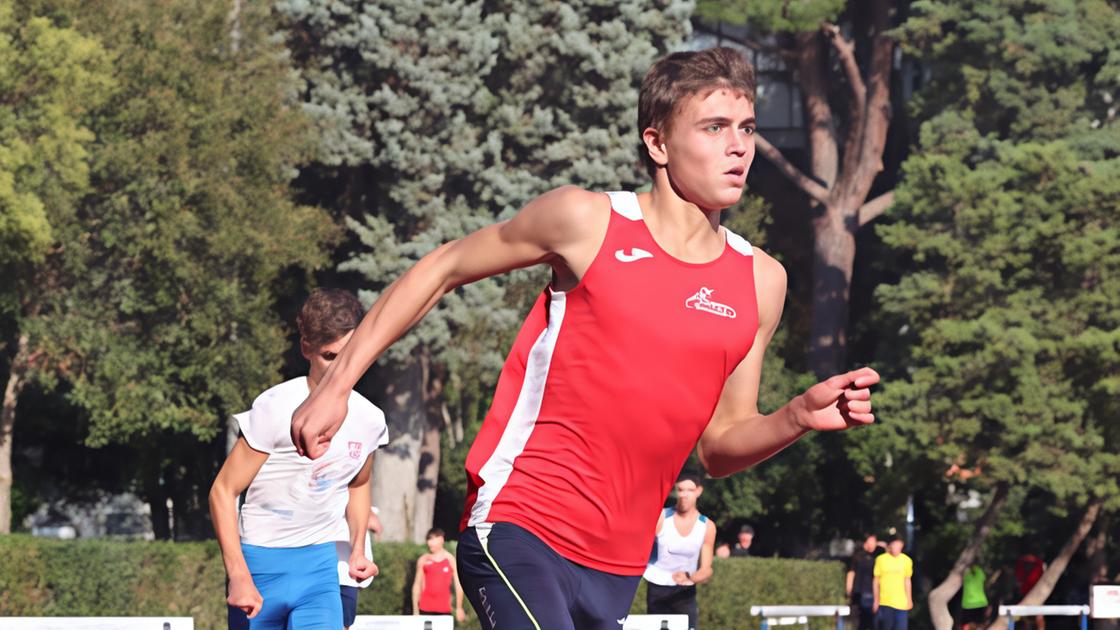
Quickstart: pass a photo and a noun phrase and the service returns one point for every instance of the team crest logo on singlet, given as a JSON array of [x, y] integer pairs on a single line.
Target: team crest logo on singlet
[[355, 449], [702, 301]]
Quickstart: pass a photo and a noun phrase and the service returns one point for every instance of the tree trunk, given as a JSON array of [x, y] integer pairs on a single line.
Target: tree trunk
[[1096, 570], [234, 19], [848, 178], [834, 253], [1096, 550], [159, 513], [427, 479], [395, 471], [1045, 585], [939, 597], [824, 154], [427, 476], [17, 378]]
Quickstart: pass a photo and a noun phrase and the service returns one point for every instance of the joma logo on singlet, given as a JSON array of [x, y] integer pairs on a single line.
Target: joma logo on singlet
[[702, 301]]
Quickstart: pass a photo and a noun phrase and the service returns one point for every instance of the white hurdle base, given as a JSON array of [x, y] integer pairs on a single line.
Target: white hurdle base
[[403, 622], [97, 623], [656, 622]]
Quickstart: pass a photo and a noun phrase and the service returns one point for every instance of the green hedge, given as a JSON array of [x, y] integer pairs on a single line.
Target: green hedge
[[738, 583], [112, 578]]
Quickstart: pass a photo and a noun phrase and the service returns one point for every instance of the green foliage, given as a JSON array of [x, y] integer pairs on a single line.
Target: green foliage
[[153, 312], [82, 577], [50, 78], [1009, 314], [1020, 69], [106, 578], [774, 17], [739, 583], [159, 312]]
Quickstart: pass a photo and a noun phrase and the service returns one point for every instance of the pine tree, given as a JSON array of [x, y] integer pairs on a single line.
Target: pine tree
[[1007, 223]]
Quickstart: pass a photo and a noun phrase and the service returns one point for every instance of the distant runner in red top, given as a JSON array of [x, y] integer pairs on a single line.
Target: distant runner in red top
[[647, 343], [435, 575]]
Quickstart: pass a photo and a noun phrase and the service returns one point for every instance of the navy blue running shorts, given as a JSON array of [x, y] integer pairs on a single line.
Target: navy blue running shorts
[[515, 581]]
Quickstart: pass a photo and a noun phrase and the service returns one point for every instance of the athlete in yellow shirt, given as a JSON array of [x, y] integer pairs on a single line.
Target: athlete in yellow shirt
[[891, 586]]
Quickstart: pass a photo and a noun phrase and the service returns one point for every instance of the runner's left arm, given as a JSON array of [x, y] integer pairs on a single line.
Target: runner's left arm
[[738, 436]]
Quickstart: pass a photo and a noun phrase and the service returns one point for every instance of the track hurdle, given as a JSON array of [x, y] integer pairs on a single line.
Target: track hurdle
[[1046, 611], [403, 622], [97, 623], [786, 615]]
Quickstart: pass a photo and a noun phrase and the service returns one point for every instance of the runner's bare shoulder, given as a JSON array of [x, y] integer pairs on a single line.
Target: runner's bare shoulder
[[566, 217]]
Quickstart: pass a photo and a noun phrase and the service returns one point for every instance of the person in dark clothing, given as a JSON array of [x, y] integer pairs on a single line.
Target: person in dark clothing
[[742, 547], [859, 582]]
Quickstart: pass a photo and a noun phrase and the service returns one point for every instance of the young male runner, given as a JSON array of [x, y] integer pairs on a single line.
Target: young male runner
[[280, 551], [682, 556], [648, 341]]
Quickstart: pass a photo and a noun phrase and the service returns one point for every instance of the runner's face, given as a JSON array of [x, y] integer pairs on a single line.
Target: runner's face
[[710, 147], [895, 547], [435, 543], [320, 358], [687, 493]]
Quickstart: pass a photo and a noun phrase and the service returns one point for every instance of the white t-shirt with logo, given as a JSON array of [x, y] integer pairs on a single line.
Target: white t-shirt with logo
[[295, 501]]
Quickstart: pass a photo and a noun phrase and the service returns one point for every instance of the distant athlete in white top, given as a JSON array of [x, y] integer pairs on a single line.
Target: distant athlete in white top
[[682, 554], [280, 551]]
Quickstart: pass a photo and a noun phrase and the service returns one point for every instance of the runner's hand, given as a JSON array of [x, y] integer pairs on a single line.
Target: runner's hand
[[243, 594], [838, 402], [316, 421], [460, 615], [362, 568]]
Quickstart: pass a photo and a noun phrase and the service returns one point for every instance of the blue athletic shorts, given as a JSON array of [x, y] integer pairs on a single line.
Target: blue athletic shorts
[[514, 580], [299, 586]]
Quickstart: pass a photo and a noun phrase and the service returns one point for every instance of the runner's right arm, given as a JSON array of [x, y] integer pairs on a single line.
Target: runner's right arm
[[559, 228], [238, 471]]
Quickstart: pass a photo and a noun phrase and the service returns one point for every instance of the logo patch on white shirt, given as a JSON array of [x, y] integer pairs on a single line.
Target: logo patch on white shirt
[[636, 253], [701, 301]]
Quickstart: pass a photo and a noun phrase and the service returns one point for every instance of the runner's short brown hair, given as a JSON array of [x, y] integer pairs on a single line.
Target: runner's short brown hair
[[678, 76], [327, 315]]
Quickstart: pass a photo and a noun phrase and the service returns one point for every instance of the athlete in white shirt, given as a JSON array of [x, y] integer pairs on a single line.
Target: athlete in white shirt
[[280, 549], [682, 553]]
